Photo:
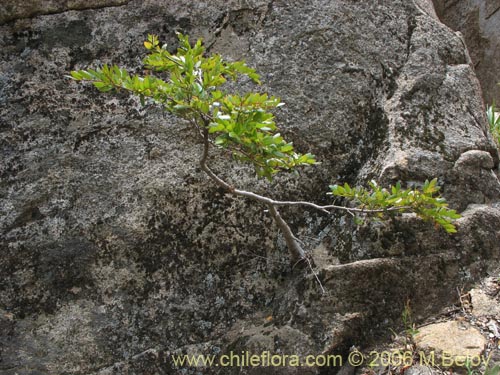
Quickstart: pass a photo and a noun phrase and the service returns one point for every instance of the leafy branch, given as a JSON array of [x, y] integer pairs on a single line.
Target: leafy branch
[[380, 201], [187, 84]]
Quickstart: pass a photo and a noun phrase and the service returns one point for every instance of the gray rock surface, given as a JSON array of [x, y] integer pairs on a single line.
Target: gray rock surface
[[421, 370], [14, 9], [117, 251], [479, 22], [485, 300], [453, 339]]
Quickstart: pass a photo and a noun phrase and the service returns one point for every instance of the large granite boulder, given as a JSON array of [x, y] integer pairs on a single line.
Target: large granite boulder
[[479, 23], [116, 250]]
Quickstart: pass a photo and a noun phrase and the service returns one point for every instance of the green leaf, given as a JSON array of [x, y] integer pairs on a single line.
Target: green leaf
[[103, 87], [220, 141], [216, 127], [76, 75], [86, 75]]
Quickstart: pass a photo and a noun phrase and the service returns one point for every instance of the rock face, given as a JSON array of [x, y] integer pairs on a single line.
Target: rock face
[[452, 339], [13, 9], [478, 21], [118, 252]]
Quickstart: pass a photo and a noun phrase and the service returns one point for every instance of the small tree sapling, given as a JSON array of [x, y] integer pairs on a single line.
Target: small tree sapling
[[190, 85]]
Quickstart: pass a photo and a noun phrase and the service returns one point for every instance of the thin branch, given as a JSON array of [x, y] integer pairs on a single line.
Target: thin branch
[[315, 275], [315, 206], [206, 168]]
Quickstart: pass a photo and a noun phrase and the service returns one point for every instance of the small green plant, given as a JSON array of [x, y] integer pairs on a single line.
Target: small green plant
[[494, 121], [410, 327], [190, 85], [471, 371], [495, 370], [408, 323]]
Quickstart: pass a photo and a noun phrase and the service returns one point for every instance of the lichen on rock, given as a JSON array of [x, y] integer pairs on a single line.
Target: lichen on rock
[[117, 252]]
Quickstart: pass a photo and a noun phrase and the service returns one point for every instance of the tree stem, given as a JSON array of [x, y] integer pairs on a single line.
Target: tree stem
[[296, 251]]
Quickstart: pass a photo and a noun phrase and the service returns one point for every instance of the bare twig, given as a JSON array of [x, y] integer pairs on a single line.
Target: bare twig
[[315, 275]]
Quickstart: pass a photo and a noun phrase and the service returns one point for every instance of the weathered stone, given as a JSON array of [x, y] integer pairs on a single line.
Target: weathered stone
[[452, 339], [475, 160], [420, 370], [483, 304], [118, 252], [14, 9], [478, 21]]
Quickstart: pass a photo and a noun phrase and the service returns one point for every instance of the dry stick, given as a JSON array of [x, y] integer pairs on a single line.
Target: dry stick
[[315, 275]]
